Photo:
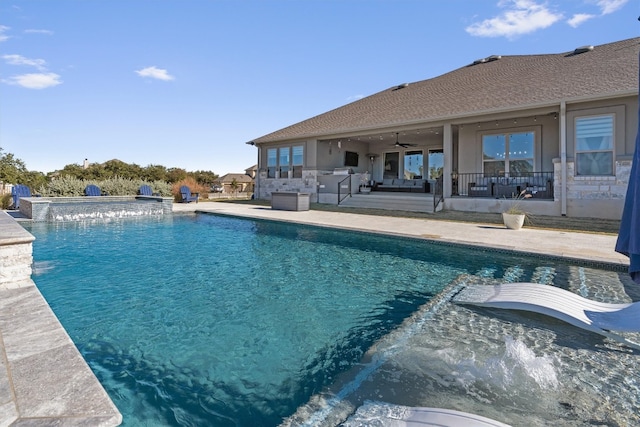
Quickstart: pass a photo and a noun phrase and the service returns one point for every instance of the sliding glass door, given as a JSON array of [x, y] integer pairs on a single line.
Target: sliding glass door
[[413, 164], [391, 163]]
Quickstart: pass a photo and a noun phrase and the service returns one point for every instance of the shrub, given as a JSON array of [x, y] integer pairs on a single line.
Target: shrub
[[6, 201], [193, 186], [67, 186]]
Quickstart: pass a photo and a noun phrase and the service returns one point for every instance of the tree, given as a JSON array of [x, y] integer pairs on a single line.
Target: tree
[[154, 173], [12, 170], [73, 171], [176, 174], [206, 178], [234, 186]]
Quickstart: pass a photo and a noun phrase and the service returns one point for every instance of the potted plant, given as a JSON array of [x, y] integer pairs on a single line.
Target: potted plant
[[514, 217], [365, 188]]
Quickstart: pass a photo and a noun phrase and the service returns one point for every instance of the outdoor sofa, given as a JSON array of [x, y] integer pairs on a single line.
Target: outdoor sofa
[[406, 185]]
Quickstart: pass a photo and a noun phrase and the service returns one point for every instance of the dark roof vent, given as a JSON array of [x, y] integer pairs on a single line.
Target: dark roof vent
[[487, 59], [582, 49], [402, 86]]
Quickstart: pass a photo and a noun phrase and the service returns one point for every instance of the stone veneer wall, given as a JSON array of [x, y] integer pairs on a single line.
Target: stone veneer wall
[[593, 196], [307, 184], [16, 251]]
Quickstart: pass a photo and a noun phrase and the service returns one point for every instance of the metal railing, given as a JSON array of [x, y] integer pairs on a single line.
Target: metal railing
[[343, 186], [438, 192], [538, 184]]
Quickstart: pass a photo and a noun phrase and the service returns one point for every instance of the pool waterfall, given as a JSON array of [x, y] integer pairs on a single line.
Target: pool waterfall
[[55, 209]]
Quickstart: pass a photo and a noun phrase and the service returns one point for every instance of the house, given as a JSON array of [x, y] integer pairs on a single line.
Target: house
[[560, 127], [242, 183], [252, 171]]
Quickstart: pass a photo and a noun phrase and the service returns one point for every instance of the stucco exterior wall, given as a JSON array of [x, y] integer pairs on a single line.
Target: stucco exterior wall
[[547, 147]]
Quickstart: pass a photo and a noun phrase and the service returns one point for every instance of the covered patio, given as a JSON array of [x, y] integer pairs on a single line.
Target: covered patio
[[567, 140]]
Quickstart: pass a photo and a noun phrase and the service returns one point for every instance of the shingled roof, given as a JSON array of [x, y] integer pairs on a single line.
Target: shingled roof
[[494, 84]]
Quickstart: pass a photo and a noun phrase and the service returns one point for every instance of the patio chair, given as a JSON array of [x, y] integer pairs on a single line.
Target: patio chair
[[187, 195], [93, 190], [17, 192], [145, 190]]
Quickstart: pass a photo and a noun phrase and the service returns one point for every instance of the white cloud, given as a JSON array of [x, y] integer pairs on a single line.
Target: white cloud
[[3, 36], [606, 7], [579, 18], [520, 17], [155, 73], [45, 32], [35, 80], [610, 6], [21, 60]]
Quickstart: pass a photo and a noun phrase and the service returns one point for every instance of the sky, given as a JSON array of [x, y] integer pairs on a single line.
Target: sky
[[186, 83]]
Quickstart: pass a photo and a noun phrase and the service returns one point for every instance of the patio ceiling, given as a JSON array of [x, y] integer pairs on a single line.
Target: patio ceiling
[[388, 138]]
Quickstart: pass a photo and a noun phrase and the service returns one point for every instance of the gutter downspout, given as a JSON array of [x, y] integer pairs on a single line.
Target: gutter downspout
[[563, 158], [256, 179]]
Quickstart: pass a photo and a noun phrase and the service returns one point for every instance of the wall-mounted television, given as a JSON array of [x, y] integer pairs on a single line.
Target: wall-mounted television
[[350, 158]]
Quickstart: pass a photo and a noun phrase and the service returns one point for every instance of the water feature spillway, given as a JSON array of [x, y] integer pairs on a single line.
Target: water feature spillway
[[105, 207]]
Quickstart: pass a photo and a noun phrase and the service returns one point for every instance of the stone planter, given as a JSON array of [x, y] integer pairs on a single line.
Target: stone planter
[[513, 221], [365, 190]]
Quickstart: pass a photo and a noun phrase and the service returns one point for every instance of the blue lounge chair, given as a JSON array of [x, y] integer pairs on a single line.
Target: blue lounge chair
[[187, 195], [145, 190], [92, 190], [19, 191]]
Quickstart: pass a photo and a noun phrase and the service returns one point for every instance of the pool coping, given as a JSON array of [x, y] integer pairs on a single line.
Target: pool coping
[[585, 248], [44, 380]]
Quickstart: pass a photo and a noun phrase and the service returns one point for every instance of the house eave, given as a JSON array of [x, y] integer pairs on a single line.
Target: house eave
[[471, 116]]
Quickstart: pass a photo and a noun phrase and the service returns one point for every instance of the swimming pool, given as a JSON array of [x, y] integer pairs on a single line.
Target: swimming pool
[[209, 320]]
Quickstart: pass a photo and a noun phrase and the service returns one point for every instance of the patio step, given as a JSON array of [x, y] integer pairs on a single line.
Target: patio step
[[413, 202]]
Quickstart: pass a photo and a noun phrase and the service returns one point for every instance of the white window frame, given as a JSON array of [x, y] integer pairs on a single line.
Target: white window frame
[[595, 128]]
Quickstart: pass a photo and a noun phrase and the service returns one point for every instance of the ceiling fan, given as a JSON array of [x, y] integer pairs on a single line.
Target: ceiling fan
[[400, 144]]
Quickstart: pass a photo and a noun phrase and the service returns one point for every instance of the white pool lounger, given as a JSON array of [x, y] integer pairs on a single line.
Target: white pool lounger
[[389, 415], [599, 317], [420, 417]]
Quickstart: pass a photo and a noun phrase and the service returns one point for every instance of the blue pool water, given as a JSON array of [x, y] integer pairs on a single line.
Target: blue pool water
[[208, 320]]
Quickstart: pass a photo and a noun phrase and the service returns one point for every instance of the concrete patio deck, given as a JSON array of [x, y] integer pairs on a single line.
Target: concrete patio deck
[[590, 247]]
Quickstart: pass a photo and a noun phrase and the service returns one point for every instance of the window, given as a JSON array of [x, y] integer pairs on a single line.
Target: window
[[594, 145], [272, 162], [284, 159], [436, 163], [508, 153], [298, 161], [413, 164]]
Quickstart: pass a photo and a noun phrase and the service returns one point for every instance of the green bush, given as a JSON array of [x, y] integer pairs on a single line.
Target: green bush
[[6, 201], [69, 187]]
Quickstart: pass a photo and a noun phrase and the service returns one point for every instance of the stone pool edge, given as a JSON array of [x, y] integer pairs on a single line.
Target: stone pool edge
[[44, 380]]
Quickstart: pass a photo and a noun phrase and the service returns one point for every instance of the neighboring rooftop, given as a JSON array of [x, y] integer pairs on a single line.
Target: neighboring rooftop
[[239, 177]]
